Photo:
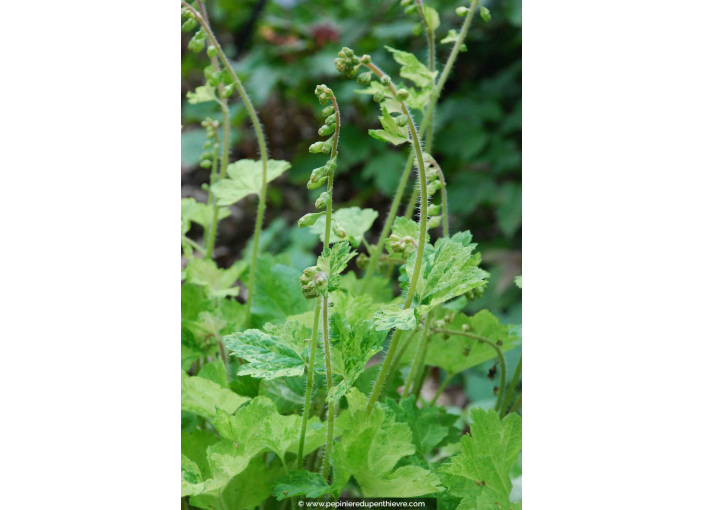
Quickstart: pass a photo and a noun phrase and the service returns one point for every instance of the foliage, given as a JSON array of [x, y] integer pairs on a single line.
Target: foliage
[[264, 418]]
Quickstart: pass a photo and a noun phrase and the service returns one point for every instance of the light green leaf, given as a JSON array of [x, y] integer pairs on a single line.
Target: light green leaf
[[215, 371], [199, 212], [218, 281], [375, 87], [392, 132], [393, 317], [191, 479], [429, 425], [354, 220], [203, 94], [458, 353], [487, 456], [301, 483], [278, 351], [333, 261], [411, 67], [353, 347], [519, 281], [194, 445], [369, 449], [449, 269], [245, 178], [202, 397], [383, 136]]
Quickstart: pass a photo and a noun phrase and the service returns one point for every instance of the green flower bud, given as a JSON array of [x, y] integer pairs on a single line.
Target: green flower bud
[[402, 120], [338, 230], [366, 60], [402, 94], [330, 166], [326, 130], [330, 121], [463, 48], [212, 51], [362, 261], [323, 99], [461, 11], [215, 78], [417, 29], [352, 72], [323, 200], [434, 187], [434, 221], [317, 178], [405, 3], [430, 173], [189, 24], [385, 80], [410, 9], [308, 220], [208, 144], [440, 324], [364, 78], [328, 110], [313, 282], [434, 209], [379, 96], [206, 163], [316, 148], [327, 146], [347, 52], [465, 327], [227, 90], [405, 245], [485, 14]]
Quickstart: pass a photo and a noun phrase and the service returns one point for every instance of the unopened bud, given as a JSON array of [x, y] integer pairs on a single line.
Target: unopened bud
[[461, 11], [328, 110], [338, 230], [410, 9], [379, 96], [402, 94], [434, 221], [323, 200], [485, 14], [385, 79], [364, 78], [433, 209], [316, 147], [401, 120]]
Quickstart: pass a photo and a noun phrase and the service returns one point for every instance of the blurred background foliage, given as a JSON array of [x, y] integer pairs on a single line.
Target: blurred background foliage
[[283, 48]]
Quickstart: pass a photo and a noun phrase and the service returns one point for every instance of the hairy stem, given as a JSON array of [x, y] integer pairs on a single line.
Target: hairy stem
[[224, 160], [421, 242], [511, 387], [426, 125], [416, 360], [262, 151], [499, 354], [331, 404], [309, 384], [442, 387]]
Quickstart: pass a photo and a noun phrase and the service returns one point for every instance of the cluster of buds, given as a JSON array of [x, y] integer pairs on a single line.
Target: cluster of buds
[[474, 293], [411, 8], [210, 147], [215, 78], [319, 175], [483, 12], [313, 282], [403, 245], [348, 63], [190, 21]]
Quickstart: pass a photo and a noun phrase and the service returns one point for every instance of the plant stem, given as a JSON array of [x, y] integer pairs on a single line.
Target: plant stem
[[511, 387], [416, 360], [224, 160], [441, 388], [499, 353], [194, 244], [421, 242], [422, 375], [331, 404], [262, 150], [309, 384], [516, 404]]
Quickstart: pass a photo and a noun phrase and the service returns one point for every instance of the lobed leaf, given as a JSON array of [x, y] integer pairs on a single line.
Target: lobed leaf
[[394, 317], [411, 67], [354, 220], [202, 397], [245, 178]]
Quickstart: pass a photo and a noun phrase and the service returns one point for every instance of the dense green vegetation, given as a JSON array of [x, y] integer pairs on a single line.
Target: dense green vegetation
[[386, 362]]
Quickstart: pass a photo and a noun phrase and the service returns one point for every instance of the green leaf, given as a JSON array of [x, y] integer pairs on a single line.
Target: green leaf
[[393, 317], [486, 458], [191, 480], [203, 94], [194, 445], [218, 281], [277, 292], [245, 178], [202, 397], [411, 67], [458, 353], [278, 351], [519, 281], [354, 220], [449, 269], [199, 212], [392, 132], [353, 347], [510, 210], [429, 425], [333, 261], [215, 371], [301, 483], [369, 449]]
